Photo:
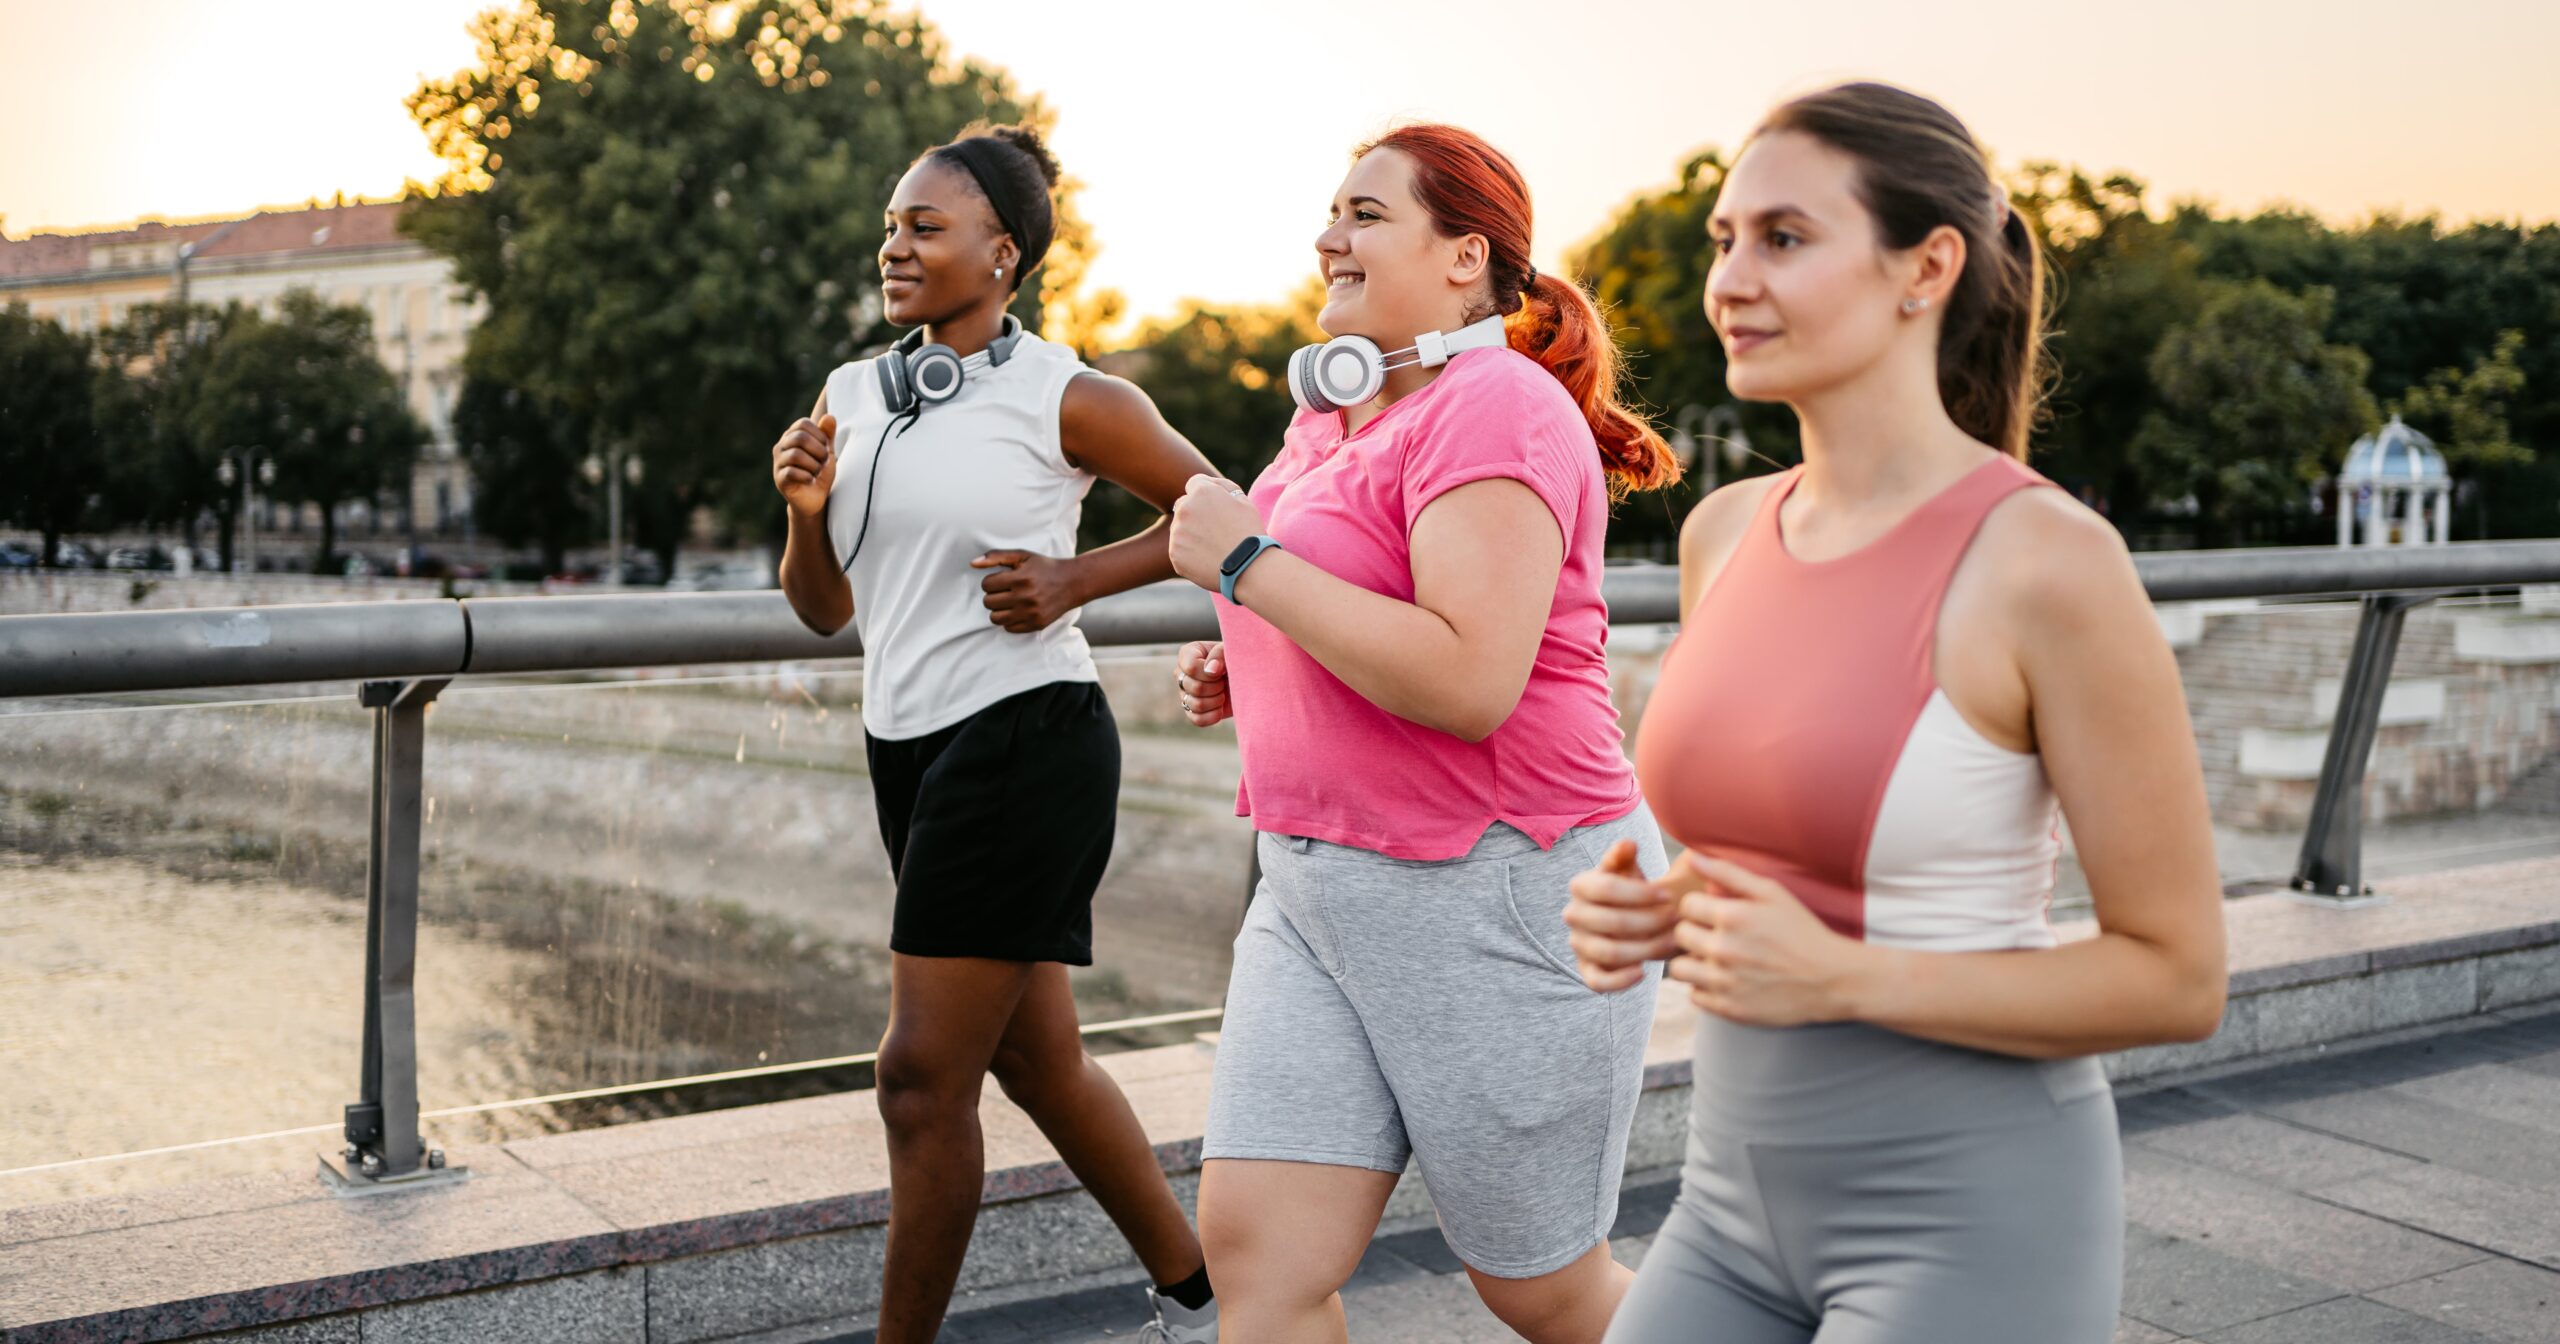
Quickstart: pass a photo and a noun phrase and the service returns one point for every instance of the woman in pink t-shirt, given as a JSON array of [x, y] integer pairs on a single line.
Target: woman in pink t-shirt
[[1415, 657]]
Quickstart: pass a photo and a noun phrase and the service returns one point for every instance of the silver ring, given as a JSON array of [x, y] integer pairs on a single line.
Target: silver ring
[[1186, 704]]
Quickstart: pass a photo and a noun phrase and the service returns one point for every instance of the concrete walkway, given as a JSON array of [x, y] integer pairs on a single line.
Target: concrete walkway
[[2406, 1192]]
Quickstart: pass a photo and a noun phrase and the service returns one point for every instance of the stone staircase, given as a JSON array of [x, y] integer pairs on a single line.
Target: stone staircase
[[2473, 709], [2535, 795]]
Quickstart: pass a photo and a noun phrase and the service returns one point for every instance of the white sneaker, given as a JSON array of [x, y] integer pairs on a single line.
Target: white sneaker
[[1178, 1324]]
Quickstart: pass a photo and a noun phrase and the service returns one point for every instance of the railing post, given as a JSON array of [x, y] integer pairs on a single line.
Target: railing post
[[2331, 870], [383, 1145]]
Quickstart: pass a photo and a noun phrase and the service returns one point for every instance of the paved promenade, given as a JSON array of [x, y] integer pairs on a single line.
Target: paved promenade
[[2398, 1193]]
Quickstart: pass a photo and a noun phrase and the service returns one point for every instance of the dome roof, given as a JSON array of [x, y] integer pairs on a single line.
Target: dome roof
[[2392, 455]]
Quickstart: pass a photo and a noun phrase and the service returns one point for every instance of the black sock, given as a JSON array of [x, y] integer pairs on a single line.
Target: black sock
[[1193, 1293]]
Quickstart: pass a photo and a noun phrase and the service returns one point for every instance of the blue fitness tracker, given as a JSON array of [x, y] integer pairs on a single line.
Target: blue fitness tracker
[[1232, 568]]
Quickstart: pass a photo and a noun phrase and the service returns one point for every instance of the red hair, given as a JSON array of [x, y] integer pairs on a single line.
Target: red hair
[[1471, 187]]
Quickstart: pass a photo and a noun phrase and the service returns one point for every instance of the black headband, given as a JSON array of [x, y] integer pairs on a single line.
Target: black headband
[[983, 156]]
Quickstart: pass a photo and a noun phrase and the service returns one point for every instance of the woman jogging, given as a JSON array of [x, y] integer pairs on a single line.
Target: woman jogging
[[1897, 658], [1414, 655], [934, 493]]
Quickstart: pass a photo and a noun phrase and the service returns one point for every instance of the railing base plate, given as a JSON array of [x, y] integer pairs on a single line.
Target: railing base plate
[[2357, 900], [348, 1182]]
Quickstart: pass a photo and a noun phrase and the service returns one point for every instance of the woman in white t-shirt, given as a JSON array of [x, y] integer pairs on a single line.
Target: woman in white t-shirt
[[934, 493]]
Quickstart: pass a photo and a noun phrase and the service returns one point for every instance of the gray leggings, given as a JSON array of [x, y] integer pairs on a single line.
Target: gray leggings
[[1850, 1185]]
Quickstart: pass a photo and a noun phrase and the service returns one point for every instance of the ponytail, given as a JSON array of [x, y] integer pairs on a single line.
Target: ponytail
[[1471, 187], [1557, 325]]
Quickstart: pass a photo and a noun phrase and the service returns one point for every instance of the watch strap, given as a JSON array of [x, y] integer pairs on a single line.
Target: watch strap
[[1227, 579]]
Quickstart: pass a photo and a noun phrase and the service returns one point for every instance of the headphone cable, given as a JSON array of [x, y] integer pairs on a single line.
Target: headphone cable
[[871, 488]]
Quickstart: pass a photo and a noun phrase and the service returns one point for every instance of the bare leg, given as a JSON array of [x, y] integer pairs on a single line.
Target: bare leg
[[1282, 1239], [946, 1015], [1042, 1065], [1571, 1305]]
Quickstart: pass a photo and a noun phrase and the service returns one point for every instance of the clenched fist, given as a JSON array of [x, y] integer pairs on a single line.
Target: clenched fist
[[1200, 669], [804, 464]]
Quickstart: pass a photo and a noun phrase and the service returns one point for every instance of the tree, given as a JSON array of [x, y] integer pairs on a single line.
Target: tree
[[1648, 272], [526, 456], [672, 208], [2119, 281], [305, 389], [2465, 410], [1219, 374], [2253, 408], [51, 466], [2420, 298], [151, 371], [1071, 314]]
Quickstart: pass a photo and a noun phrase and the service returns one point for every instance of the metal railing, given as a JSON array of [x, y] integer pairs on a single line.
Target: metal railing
[[405, 653]]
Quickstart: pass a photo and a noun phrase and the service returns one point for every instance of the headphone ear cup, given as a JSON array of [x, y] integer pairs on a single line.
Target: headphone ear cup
[[1302, 385], [897, 384], [1348, 370], [936, 372]]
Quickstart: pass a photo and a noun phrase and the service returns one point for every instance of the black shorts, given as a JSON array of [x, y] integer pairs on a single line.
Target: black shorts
[[1000, 825]]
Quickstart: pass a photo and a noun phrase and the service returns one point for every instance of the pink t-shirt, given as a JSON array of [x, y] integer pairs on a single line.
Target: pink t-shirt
[[1321, 761]]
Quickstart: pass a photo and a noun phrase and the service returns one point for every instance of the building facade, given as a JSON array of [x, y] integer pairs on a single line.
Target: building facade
[[351, 254]]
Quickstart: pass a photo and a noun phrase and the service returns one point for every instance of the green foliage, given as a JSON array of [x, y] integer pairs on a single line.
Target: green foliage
[[673, 209], [2419, 298], [527, 456], [1219, 375], [50, 467], [1648, 271], [2161, 326], [2119, 281], [150, 391], [2251, 406], [305, 389], [2465, 410]]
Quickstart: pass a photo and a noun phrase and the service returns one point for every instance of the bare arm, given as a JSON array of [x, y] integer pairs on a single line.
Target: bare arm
[[1485, 559], [1109, 427], [804, 470]]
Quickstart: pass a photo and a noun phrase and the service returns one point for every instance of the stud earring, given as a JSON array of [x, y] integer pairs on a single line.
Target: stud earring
[[999, 272], [1914, 305]]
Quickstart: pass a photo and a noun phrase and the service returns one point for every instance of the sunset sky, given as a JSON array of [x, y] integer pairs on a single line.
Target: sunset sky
[[1210, 133]]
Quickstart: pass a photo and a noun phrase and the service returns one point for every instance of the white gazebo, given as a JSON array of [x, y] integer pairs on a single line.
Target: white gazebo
[[2395, 476]]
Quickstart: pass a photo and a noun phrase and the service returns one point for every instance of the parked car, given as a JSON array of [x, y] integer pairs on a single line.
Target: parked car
[[73, 555], [722, 576], [15, 556], [138, 557]]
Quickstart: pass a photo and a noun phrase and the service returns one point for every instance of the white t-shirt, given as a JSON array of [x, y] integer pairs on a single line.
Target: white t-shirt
[[981, 472]]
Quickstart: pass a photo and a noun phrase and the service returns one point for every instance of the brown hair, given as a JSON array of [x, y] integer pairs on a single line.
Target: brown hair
[[1919, 169], [1471, 187]]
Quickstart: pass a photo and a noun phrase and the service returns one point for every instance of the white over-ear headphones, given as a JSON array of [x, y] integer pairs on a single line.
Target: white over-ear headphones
[[1350, 370]]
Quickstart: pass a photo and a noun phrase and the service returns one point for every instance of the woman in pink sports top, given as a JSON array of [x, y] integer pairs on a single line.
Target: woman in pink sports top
[[1899, 660], [1419, 682]]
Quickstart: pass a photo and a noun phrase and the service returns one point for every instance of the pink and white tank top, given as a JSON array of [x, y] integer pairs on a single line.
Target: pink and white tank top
[[1798, 729]]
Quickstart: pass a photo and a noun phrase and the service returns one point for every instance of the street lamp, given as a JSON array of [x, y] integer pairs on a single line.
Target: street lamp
[[245, 560], [598, 473]]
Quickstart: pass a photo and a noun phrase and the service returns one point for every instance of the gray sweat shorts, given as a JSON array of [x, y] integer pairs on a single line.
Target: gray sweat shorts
[[1386, 1009]]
